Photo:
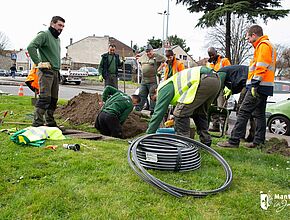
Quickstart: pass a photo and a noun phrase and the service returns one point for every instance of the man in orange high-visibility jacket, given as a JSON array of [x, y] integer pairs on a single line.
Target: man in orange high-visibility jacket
[[173, 65], [216, 61], [259, 86]]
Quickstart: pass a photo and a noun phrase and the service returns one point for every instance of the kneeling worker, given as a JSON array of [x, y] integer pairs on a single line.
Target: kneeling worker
[[117, 106], [192, 91]]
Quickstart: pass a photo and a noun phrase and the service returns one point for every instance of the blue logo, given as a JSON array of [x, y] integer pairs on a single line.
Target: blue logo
[[13, 56]]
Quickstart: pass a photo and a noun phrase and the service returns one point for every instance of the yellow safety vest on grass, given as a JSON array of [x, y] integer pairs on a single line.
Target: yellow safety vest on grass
[[32, 135]]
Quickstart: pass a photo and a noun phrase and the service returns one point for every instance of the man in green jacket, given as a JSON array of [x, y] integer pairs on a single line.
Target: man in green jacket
[[44, 51], [115, 111], [109, 65], [192, 91]]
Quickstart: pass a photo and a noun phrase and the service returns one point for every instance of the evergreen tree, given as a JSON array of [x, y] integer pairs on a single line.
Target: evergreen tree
[[216, 11], [174, 40]]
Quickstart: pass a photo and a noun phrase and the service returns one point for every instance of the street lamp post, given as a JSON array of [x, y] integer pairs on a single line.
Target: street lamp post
[[167, 20], [163, 27]]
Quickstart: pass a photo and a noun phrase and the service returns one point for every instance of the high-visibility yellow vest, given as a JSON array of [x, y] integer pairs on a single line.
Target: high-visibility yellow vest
[[32, 134], [185, 85]]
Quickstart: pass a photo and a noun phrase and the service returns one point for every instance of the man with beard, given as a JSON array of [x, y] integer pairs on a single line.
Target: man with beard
[[44, 51]]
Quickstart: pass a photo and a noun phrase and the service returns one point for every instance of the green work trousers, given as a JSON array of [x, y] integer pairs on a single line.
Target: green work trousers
[[207, 91], [165, 95], [48, 95]]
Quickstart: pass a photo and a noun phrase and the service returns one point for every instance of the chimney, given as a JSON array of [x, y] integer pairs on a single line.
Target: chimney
[[70, 41]]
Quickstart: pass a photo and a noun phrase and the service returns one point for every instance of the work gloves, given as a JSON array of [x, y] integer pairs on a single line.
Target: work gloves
[[227, 93], [44, 65], [101, 78], [254, 91]]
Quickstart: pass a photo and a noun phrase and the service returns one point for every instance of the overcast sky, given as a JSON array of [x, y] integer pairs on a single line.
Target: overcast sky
[[126, 20]]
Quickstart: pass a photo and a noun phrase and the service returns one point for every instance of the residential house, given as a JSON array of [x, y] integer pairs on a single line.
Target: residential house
[[88, 51], [5, 59], [180, 54], [202, 62], [23, 61]]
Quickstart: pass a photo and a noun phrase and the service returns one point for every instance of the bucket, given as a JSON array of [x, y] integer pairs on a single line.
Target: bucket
[[165, 131]]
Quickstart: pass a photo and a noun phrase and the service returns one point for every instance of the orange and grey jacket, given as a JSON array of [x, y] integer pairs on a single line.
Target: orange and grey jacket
[[221, 62], [32, 80], [177, 66], [262, 66]]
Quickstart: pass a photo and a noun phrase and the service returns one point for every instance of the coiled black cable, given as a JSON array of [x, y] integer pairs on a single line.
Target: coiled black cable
[[168, 143]]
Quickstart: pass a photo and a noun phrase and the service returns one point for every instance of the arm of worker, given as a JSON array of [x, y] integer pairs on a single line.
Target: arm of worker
[[125, 114], [263, 62], [101, 67], [36, 43], [109, 90], [121, 61], [226, 62], [165, 95], [162, 65], [180, 67]]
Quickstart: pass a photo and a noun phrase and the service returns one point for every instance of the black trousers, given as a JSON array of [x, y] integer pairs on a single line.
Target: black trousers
[[108, 124], [251, 105]]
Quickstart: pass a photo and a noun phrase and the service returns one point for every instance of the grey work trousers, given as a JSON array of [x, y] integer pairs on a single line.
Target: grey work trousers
[[143, 93], [198, 109], [111, 80], [251, 105], [48, 95]]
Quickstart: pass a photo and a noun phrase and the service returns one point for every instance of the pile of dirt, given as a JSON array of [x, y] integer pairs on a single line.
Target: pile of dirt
[[276, 145], [84, 108]]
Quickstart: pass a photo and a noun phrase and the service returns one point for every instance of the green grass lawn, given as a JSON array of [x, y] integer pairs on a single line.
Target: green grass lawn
[[97, 182]]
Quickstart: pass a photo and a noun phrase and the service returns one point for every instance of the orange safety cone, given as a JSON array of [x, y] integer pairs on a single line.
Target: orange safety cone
[[20, 91]]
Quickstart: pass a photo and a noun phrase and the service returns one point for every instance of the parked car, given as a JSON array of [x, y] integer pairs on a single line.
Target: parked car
[[127, 76], [278, 117], [91, 71], [281, 92], [22, 73], [131, 70], [4, 72]]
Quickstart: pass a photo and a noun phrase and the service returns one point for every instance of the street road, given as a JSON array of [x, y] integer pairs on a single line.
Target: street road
[[65, 91], [69, 91]]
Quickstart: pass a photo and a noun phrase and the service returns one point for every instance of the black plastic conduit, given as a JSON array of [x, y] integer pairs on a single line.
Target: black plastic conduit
[[175, 153]]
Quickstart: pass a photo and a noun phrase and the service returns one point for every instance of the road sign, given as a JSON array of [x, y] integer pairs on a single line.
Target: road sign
[[27, 54], [13, 56]]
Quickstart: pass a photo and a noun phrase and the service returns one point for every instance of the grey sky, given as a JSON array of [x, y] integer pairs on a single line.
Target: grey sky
[[136, 20]]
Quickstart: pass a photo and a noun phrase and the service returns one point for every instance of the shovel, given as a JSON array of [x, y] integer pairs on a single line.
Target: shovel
[[2, 119]]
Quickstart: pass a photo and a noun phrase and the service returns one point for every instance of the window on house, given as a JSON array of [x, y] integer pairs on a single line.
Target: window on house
[[184, 57], [180, 56]]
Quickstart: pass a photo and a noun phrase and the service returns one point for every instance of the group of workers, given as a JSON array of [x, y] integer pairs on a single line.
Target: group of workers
[[191, 91]]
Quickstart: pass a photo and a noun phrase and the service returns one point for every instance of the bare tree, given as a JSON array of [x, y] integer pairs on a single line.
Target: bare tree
[[283, 60], [4, 41], [240, 49]]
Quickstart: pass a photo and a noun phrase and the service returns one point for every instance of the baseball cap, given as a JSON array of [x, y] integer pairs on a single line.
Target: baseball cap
[[148, 47]]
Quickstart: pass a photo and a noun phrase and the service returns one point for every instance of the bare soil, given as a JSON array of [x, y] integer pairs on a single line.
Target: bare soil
[[279, 146], [84, 108]]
